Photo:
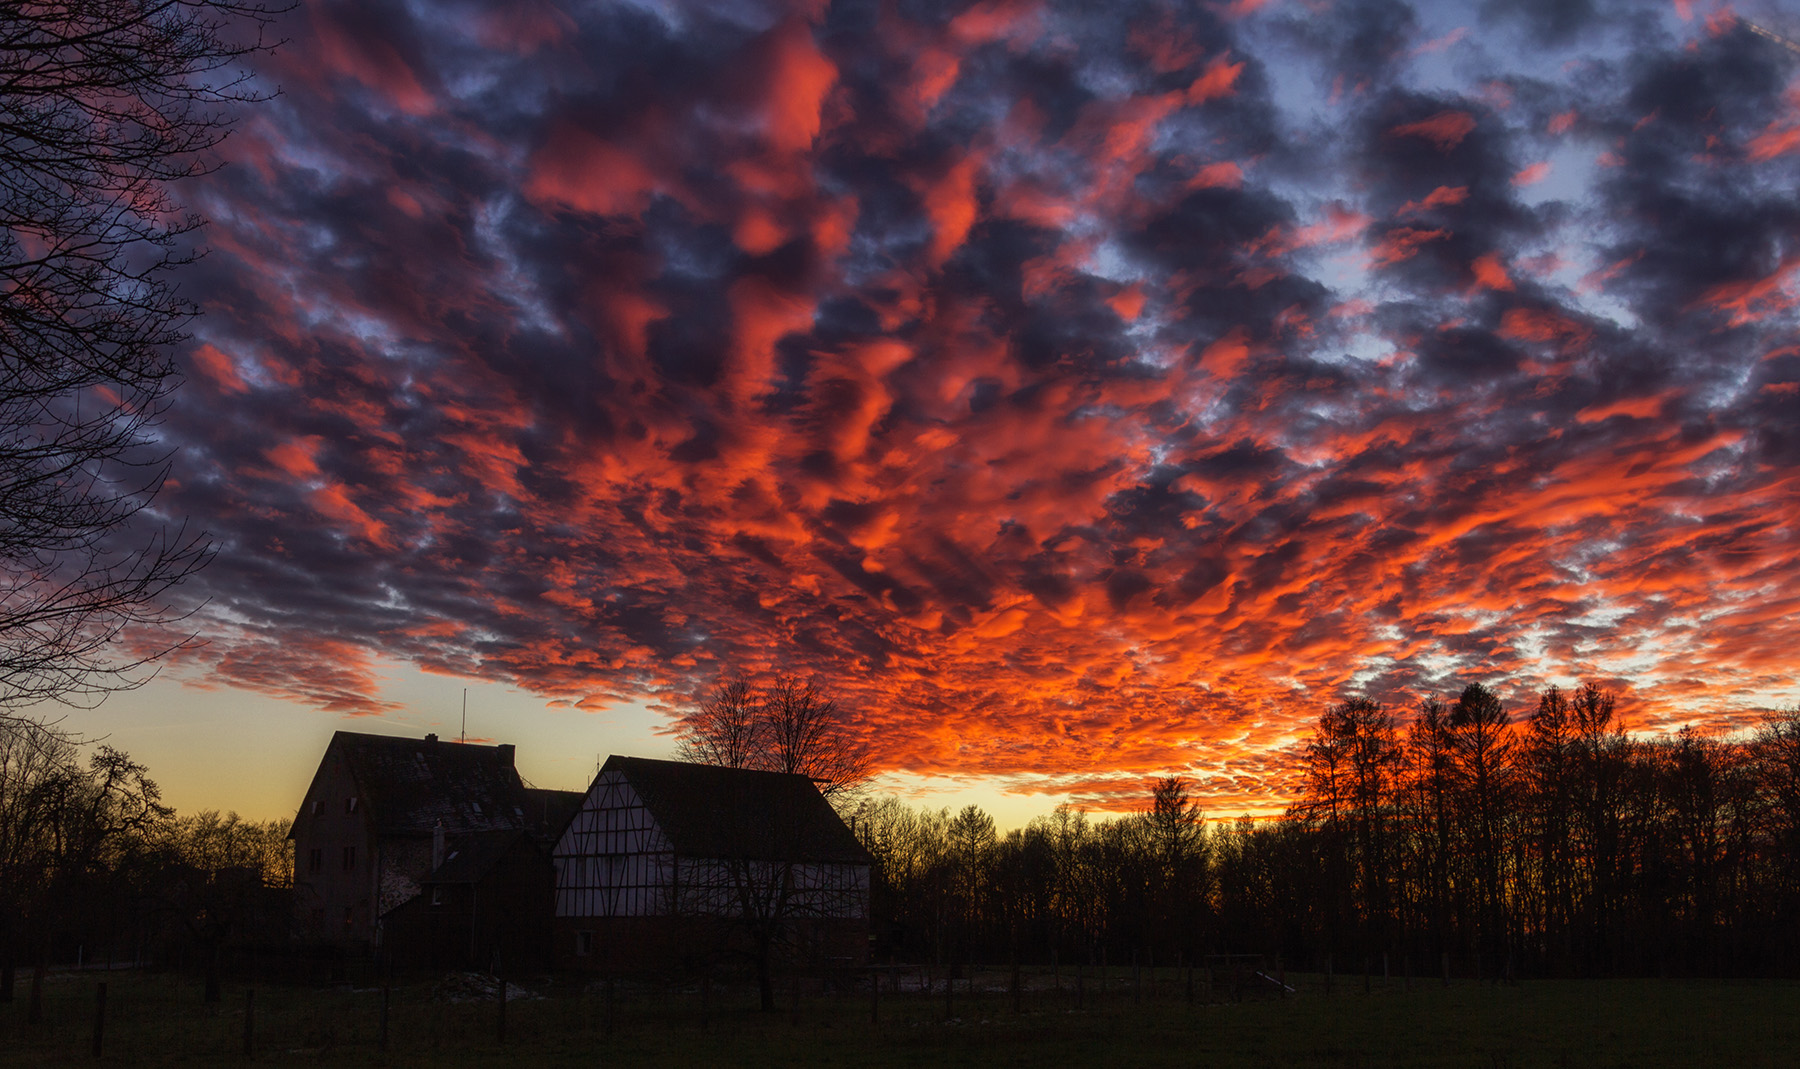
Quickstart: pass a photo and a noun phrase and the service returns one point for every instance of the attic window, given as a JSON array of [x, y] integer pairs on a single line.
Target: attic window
[[317, 807], [350, 804], [477, 807], [437, 896]]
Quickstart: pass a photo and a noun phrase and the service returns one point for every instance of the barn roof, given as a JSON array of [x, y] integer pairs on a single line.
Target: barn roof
[[410, 785], [708, 811]]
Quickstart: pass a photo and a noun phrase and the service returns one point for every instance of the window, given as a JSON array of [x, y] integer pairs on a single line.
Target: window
[[584, 944], [315, 859], [350, 805], [437, 896], [317, 807], [349, 858]]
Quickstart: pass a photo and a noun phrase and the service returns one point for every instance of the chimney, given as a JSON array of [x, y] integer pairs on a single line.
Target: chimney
[[431, 737], [506, 753], [437, 846]]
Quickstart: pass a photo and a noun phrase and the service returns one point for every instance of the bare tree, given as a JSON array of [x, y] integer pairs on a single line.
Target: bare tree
[[725, 729], [806, 734], [103, 104], [791, 726]]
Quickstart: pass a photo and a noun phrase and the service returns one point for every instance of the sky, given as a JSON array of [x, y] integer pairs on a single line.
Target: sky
[[1080, 393]]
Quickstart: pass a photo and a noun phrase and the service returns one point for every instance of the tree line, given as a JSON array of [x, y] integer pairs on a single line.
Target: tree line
[[1457, 836], [94, 866]]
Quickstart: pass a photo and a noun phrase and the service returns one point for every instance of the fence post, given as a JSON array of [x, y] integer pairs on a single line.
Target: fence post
[[99, 1016], [500, 1018], [35, 1014], [384, 1016], [250, 1022], [875, 994]]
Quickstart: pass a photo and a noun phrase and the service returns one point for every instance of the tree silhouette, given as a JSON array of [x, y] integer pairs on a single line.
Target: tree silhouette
[[789, 726], [105, 104]]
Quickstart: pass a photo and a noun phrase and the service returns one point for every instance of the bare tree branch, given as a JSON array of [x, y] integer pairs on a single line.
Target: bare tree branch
[[103, 104]]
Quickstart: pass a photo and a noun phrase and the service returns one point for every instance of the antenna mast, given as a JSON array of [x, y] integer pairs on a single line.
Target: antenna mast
[[1765, 32]]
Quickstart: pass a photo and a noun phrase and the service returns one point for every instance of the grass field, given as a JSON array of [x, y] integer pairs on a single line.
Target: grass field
[[158, 1019]]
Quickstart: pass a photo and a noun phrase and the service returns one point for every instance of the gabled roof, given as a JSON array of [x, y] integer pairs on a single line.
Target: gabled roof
[[409, 785], [708, 811]]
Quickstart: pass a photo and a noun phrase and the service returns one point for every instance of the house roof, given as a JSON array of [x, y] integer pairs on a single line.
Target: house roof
[[472, 857], [708, 811], [410, 785], [548, 812]]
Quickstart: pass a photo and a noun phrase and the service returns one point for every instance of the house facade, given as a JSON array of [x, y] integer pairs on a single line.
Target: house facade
[[667, 864], [380, 816]]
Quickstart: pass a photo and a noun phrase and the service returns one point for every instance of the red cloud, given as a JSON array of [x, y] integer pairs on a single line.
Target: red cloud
[[581, 171], [220, 368], [1215, 82], [371, 61], [1533, 174], [1778, 139], [799, 76], [1446, 129], [1441, 197], [1401, 243]]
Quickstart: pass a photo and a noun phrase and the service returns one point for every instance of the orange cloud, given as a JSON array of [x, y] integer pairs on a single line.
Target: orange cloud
[[1631, 408], [951, 207]]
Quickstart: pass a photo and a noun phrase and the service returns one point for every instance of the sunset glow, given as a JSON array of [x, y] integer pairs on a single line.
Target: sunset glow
[[1078, 392]]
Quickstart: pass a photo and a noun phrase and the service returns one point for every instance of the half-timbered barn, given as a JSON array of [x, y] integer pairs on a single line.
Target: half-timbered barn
[[667, 865]]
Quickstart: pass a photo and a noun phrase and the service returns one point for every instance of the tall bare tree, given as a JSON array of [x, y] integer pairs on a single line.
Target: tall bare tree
[[789, 726], [103, 104]]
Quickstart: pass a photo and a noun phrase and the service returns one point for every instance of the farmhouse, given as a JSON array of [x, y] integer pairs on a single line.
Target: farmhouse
[[387, 816], [668, 864]]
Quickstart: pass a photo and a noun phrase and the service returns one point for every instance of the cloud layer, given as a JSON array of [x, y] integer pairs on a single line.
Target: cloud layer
[[1076, 390]]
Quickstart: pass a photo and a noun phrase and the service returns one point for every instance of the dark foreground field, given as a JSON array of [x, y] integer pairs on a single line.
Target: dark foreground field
[[159, 1019]]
